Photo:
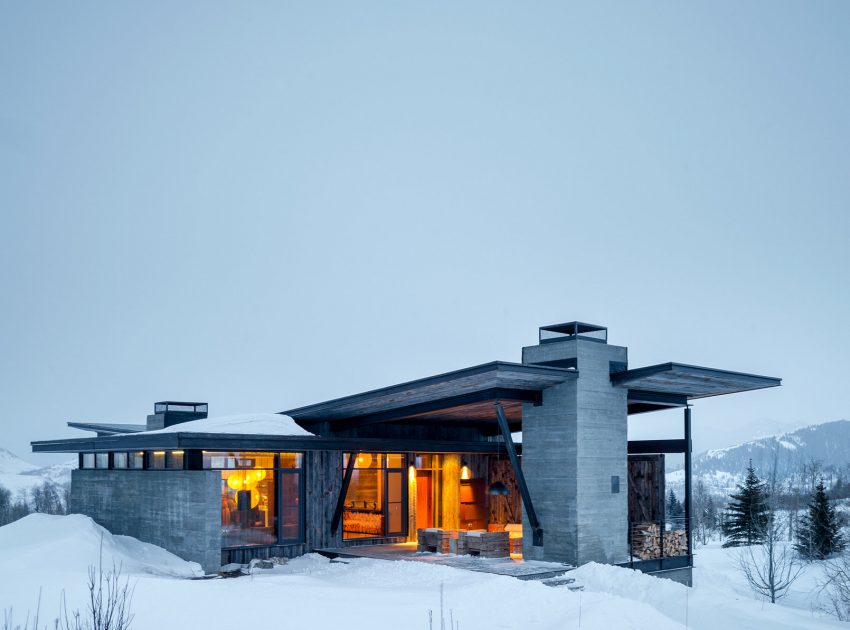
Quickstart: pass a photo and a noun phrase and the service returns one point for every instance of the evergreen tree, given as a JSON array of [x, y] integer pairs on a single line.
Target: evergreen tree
[[819, 533], [747, 514], [674, 508]]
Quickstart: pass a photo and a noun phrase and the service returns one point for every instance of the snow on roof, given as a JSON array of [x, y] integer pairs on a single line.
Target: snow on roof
[[245, 424]]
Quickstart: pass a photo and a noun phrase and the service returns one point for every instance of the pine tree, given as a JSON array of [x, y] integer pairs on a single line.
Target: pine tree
[[819, 533], [674, 508], [747, 514]]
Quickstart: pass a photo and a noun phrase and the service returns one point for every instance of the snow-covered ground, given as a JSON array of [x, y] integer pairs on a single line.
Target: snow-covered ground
[[52, 553]]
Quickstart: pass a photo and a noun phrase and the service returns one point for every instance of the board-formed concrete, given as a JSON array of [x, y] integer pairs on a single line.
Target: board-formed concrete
[[573, 444], [179, 510]]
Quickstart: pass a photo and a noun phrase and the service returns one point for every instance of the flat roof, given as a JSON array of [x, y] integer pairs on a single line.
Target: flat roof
[[461, 394], [107, 427], [691, 381], [257, 442]]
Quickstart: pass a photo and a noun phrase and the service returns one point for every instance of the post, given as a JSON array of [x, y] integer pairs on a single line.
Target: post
[[340, 502], [536, 530], [688, 485]]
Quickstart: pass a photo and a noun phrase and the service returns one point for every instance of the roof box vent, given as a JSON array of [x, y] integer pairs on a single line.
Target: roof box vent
[[170, 412], [573, 330]]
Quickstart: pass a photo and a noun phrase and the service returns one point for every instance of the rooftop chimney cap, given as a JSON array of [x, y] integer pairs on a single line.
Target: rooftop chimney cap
[[572, 330], [176, 405]]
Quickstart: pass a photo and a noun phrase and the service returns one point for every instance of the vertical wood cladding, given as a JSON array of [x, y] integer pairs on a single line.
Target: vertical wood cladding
[[646, 488], [323, 470]]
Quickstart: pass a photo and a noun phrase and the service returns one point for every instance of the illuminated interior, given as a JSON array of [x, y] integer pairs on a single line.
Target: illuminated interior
[[375, 504], [250, 514]]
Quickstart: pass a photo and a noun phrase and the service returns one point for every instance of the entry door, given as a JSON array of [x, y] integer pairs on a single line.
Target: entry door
[[424, 499]]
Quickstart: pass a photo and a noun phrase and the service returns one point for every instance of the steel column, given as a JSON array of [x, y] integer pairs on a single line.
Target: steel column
[[536, 530], [688, 483], [340, 502]]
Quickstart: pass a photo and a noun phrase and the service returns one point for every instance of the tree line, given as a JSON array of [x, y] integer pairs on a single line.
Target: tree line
[[48, 498]]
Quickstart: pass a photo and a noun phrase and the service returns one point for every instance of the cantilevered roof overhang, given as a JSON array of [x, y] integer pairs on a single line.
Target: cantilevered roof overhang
[[674, 384], [462, 397], [258, 442], [107, 428]]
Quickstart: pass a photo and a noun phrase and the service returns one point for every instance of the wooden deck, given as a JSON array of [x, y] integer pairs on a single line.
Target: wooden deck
[[519, 569]]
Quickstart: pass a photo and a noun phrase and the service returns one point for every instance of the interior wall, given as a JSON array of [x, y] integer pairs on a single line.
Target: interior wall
[[451, 491], [504, 509]]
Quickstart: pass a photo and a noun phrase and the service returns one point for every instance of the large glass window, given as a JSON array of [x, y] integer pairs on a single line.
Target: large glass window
[[376, 501], [156, 460], [119, 460], [174, 460], [137, 460], [88, 460], [101, 460], [255, 510]]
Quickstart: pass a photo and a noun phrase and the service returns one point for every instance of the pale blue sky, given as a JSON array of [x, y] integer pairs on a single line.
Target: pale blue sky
[[267, 205]]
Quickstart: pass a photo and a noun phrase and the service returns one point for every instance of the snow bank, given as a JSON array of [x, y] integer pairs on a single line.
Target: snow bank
[[70, 544], [244, 424]]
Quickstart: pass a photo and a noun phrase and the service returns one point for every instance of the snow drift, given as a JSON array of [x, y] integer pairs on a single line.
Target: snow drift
[[72, 543]]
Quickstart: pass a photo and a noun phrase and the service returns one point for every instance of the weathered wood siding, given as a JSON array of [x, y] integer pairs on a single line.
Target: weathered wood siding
[[323, 470], [503, 509], [646, 488]]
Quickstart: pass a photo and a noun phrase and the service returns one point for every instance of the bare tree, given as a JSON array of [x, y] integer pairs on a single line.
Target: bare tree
[[836, 586], [772, 566]]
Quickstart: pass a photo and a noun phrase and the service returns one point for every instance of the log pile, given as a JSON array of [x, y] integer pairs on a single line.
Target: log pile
[[647, 542]]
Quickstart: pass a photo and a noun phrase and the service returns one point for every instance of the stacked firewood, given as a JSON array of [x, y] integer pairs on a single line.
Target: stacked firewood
[[647, 542]]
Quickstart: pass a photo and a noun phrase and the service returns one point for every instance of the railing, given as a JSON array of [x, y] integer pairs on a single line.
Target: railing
[[652, 540]]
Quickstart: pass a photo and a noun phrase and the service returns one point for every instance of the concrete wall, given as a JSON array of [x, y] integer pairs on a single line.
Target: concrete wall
[[572, 445], [179, 510]]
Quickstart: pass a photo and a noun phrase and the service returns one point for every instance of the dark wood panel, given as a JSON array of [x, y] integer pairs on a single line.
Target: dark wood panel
[[503, 509], [323, 485], [646, 488]]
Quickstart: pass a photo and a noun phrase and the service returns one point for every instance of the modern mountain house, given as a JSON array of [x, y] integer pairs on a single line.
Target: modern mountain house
[[436, 464]]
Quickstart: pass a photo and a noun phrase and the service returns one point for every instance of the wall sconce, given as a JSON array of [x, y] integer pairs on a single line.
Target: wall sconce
[[465, 473]]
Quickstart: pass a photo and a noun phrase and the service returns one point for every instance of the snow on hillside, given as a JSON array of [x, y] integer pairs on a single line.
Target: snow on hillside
[[19, 476], [721, 470], [51, 554]]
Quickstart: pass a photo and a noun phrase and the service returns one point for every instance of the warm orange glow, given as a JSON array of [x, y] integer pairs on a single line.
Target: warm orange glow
[[159, 452], [411, 473], [364, 460], [234, 481], [465, 473]]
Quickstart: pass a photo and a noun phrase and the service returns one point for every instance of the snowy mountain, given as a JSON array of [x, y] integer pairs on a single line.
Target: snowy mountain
[[827, 445], [18, 475]]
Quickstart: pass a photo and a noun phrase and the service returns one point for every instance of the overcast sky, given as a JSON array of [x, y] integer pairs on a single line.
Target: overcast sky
[[268, 205]]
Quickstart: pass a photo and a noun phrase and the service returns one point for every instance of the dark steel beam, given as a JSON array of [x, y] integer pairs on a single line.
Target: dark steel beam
[[340, 501], [688, 448], [413, 411], [643, 447], [657, 398], [536, 530]]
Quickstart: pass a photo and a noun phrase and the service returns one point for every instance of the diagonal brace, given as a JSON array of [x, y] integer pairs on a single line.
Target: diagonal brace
[[536, 529], [340, 502]]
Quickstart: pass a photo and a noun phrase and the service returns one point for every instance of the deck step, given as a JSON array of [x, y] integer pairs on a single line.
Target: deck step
[[570, 583]]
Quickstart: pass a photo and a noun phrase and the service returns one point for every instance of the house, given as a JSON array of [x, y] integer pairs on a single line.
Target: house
[[435, 454]]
